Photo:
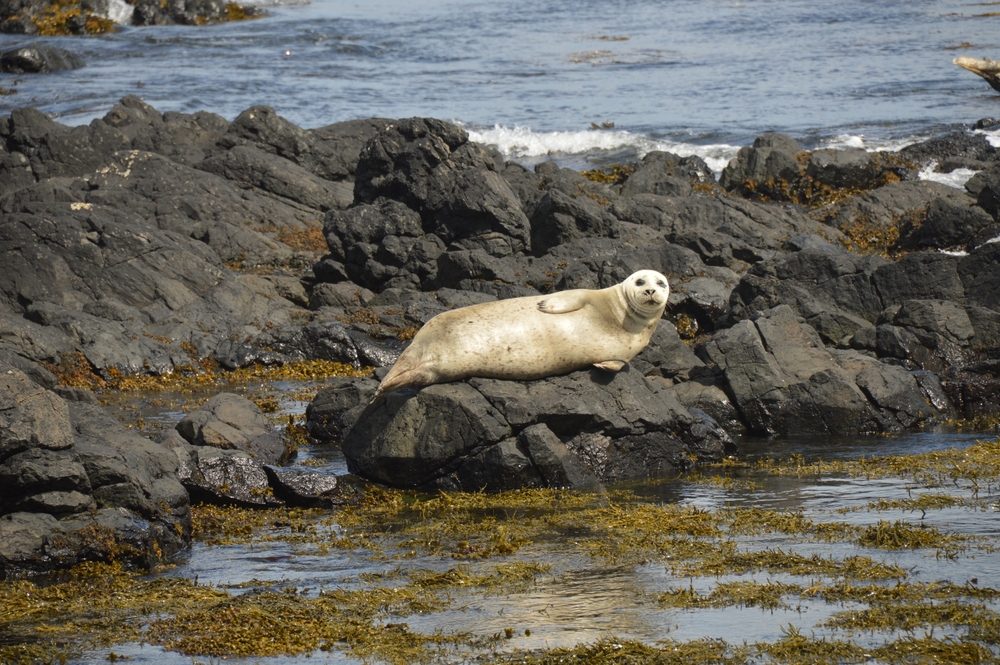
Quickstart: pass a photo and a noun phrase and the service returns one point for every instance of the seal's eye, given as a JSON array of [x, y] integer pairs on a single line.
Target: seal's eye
[[661, 285], [640, 282]]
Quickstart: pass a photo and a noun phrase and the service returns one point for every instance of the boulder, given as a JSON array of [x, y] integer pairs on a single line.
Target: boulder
[[38, 59], [382, 245], [226, 477], [667, 356], [454, 184], [667, 174], [183, 137], [919, 275], [199, 205], [78, 486], [902, 206], [958, 145], [559, 218], [328, 340], [723, 230], [303, 487], [850, 168], [785, 382], [329, 153], [945, 224], [344, 142], [252, 168], [153, 12], [231, 422], [49, 149], [325, 413], [477, 434], [974, 389], [831, 288], [767, 168]]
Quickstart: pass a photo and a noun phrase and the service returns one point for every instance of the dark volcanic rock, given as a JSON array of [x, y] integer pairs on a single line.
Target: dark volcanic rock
[[78, 486], [767, 167], [302, 487], [723, 230], [898, 203], [191, 12], [38, 59], [817, 284], [253, 168], [330, 153], [454, 184], [472, 435], [961, 145], [946, 224], [986, 187], [559, 218], [784, 381], [224, 477], [183, 137], [326, 412], [231, 422], [851, 168], [344, 142], [382, 245], [51, 150], [666, 174]]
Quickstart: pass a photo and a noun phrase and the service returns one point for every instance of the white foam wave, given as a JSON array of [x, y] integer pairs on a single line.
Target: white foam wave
[[842, 141], [956, 178], [992, 135], [521, 142]]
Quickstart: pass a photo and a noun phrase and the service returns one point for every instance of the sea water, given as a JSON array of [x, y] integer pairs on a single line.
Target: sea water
[[535, 78]]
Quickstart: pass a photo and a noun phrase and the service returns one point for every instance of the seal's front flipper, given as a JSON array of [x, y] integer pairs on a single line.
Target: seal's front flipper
[[562, 302], [610, 365]]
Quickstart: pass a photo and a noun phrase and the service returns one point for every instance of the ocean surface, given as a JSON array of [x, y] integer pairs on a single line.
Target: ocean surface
[[534, 78]]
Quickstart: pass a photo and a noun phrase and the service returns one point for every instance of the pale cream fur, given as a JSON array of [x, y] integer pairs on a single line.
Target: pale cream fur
[[534, 337]]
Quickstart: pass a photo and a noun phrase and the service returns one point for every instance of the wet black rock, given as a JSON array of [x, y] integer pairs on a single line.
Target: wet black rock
[[902, 205], [302, 487], [850, 168], [226, 477], [38, 59], [964, 145]]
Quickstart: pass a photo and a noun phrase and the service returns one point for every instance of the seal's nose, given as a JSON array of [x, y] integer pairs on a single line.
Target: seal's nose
[[650, 292]]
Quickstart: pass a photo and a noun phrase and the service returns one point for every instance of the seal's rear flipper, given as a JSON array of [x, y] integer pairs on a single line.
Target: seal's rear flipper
[[610, 365]]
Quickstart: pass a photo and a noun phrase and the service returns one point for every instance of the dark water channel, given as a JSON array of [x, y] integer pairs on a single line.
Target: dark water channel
[[584, 599]]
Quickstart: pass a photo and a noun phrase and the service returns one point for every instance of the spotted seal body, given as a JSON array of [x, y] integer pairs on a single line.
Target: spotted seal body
[[534, 337]]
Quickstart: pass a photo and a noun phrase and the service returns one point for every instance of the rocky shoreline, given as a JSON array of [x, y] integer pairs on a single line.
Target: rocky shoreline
[[830, 292]]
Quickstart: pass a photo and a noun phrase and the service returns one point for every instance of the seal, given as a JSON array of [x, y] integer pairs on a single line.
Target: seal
[[534, 337]]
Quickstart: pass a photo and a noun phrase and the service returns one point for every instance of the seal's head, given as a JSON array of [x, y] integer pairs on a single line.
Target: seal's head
[[646, 293]]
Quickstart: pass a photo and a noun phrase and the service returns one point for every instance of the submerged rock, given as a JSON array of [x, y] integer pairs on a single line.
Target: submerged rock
[[38, 59]]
